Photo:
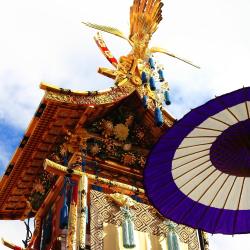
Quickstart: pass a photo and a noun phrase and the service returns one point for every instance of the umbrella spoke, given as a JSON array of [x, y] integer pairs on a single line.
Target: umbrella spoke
[[197, 202], [238, 206], [210, 166], [190, 161], [247, 110], [209, 206], [175, 178], [180, 157], [201, 144], [223, 207]]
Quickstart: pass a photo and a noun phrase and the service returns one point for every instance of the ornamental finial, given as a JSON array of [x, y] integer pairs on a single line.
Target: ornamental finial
[[139, 67]]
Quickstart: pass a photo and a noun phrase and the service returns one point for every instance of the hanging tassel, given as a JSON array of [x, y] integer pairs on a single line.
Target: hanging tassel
[[158, 117], [136, 198], [65, 160], [64, 213], [161, 75], [173, 241], [83, 165], [87, 214], [145, 101], [172, 237], [127, 229], [167, 98], [144, 78], [131, 233], [97, 188], [125, 234], [152, 83], [151, 63]]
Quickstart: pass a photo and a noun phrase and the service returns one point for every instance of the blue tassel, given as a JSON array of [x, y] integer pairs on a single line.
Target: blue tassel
[[173, 241], [136, 198], [152, 83], [83, 165], [145, 101], [161, 75], [65, 160], [87, 215], [151, 63], [131, 234], [158, 117], [125, 234], [144, 78], [127, 229], [64, 213], [167, 98], [97, 188]]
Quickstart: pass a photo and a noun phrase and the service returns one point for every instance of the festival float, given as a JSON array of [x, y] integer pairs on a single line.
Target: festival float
[[78, 171]]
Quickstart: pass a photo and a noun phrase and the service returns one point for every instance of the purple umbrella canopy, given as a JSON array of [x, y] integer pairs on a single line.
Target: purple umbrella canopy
[[198, 173]]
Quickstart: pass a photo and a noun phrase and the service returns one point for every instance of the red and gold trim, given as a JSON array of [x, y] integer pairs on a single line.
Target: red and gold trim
[[106, 52]]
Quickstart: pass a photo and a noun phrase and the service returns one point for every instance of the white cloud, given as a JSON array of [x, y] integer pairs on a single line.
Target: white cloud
[[221, 242], [4, 156]]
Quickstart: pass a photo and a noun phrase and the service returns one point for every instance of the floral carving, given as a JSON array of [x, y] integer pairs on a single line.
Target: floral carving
[[95, 149], [107, 128], [121, 132], [40, 189], [128, 159]]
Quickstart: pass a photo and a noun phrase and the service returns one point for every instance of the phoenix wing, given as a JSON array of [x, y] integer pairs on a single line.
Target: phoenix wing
[[108, 29], [164, 51]]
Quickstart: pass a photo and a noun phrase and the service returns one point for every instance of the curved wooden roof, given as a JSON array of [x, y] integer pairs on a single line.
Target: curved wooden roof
[[59, 109]]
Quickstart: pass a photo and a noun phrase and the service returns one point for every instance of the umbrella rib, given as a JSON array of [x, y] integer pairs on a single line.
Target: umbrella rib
[[211, 129], [246, 98], [238, 206], [196, 176], [218, 218], [247, 110], [219, 190], [243, 183], [226, 108], [180, 157], [218, 120], [231, 112], [207, 208], [210, 186], [185, 215], [202, 136], [190, 161], [186, 195], [202, 144], [229, 193], [190, 170], [242, 186], [166, 184]]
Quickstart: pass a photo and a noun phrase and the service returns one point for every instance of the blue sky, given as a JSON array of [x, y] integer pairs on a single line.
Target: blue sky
[[9, 139], [45, 41]]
